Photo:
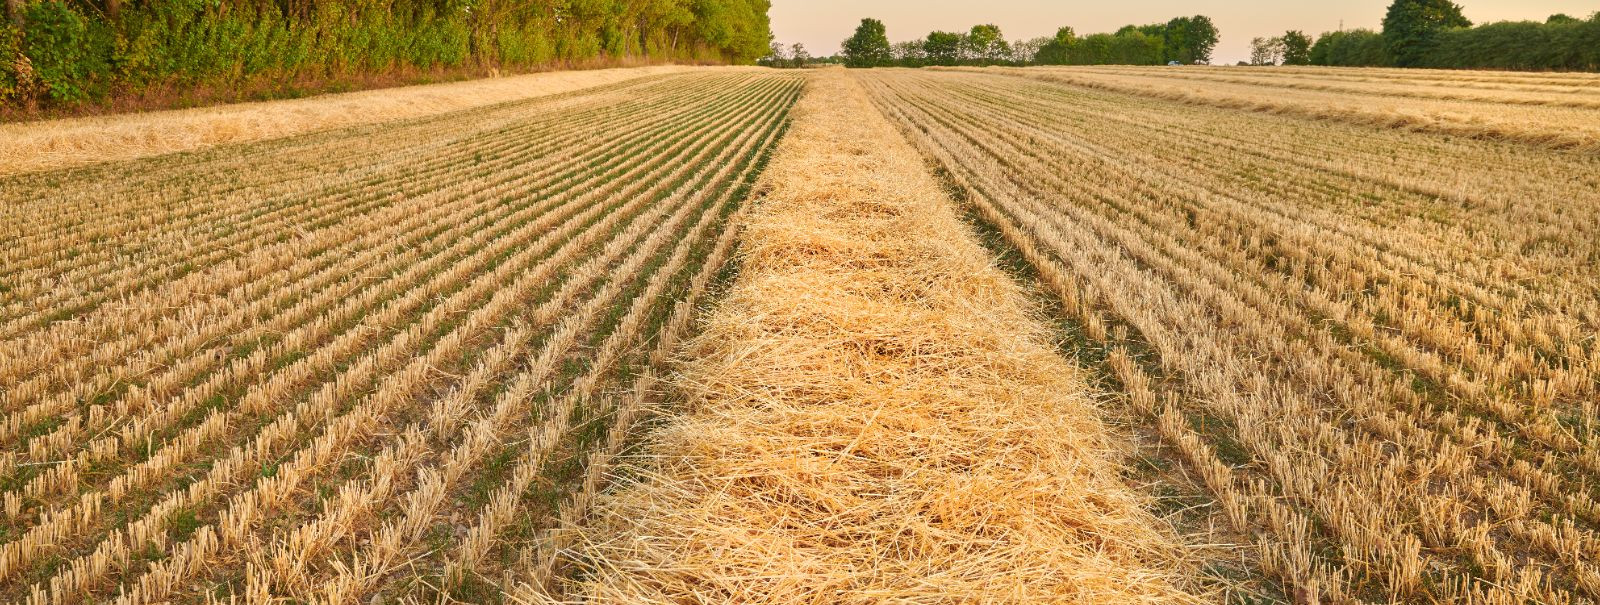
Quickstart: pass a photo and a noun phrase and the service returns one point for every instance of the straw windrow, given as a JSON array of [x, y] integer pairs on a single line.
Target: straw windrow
[[875, 414]]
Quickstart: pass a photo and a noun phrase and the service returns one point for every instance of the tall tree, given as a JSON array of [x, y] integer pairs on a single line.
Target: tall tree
[[943, 48], [1200, 39], [1058, 50], [1296, 48], [1185, 39], [1411, 27], [985, 43], [1266, 51], [798, 55], [869, 47]]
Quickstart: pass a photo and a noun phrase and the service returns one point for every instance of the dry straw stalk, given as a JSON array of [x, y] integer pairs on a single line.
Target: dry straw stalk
[[876, 415]]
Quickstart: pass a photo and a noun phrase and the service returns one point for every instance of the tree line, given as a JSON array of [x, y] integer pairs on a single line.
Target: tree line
[[67, 52], [1435, 33], [1184, 40]]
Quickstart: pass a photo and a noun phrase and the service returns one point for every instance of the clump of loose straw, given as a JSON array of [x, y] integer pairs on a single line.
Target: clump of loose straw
[[875, 415]]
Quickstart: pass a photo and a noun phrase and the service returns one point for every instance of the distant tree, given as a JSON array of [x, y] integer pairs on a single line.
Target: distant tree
[[943, 48], [1136, 47], [1355, 47], [1561, 45], [1266, 51], [1187, 39], [798, 56], [1201, 39], [986, 44], [1093, 49], [1411, 27], [1174, 38], [869, 47], [1057, 50], [775, 56], [1296, 48], [1562, 19], [1024, 52], [910, 53]]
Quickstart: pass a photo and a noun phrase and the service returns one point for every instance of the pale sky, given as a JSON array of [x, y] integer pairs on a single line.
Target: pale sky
[[822, 24]]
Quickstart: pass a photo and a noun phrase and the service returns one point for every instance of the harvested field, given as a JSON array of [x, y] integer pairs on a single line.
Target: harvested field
[[65, 143], [873, 414], [360, 364], [1555, 110], [1374, 348], [977, 335]]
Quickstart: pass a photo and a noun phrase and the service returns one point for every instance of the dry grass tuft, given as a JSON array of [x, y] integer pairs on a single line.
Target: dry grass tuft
[[65, 143], [876, 415]]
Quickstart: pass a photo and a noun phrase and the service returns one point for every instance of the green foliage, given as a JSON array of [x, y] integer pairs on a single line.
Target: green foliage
[[1560, 42], [1355, 47], [1567, 44], [13, 75], [1296, 48], [869, 47], [738, 28], [1411, 27], [1126, 47], [1058, 49], [942, 48], [68, 51], [77, 53], [1184, 39], [1189, 40], [985, 44]]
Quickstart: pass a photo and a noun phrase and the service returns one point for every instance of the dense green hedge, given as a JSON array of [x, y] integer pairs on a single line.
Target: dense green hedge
[[1183, 39], [1561, 43], [62, 53], [1362, 47]]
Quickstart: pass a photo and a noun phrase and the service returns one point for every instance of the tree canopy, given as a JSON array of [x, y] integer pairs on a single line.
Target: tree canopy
[[986, 43], [1296, 48], [1189, 40], [869, 47], [1184, 39], [1411, 27], [1350, 47], [942, 48]]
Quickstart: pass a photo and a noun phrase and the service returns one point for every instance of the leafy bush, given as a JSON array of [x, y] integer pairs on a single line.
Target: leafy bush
[[12, 76], [1556, 44], [69, 52], [1560, 42], [1355, 47]]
